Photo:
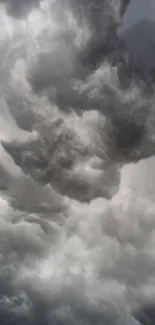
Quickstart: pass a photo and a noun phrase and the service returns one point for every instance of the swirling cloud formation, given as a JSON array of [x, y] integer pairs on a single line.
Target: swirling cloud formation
[[77, 209]]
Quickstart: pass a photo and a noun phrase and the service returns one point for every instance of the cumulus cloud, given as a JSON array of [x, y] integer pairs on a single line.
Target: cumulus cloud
[[77, 229]]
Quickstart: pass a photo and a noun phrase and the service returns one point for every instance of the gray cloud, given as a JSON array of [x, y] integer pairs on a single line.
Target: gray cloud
[[76, 227], [19, 8]]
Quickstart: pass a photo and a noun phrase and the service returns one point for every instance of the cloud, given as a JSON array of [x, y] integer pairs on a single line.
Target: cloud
[[76, 203], [19, 8]]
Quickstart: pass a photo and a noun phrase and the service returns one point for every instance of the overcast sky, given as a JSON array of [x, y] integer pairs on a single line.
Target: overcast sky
[[138, 9]]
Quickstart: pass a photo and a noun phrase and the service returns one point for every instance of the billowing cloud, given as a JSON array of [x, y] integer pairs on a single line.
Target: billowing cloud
[[77, 229]]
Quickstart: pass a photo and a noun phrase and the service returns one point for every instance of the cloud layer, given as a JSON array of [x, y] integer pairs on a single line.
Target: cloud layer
[[77, 209]]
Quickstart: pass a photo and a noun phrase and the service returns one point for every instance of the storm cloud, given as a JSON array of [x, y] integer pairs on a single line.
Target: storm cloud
[[77, 134]]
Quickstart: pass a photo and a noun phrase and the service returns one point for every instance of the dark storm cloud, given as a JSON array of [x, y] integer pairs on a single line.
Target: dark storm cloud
[[146, 315], [76, 239], [58, 73], [99, 19], [63, 69], [103, 18]]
